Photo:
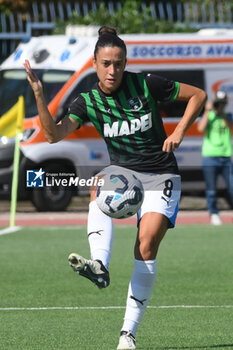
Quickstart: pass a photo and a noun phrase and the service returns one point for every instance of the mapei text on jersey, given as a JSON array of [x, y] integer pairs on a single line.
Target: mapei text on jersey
[[128, 127]]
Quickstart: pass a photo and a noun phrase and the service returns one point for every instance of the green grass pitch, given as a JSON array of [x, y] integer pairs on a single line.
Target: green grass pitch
[[44, 305]]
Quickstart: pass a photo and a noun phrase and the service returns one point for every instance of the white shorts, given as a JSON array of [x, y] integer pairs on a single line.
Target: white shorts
[[161, 192]]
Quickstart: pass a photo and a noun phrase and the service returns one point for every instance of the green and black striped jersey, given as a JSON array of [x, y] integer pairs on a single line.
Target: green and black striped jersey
[[129, 121]]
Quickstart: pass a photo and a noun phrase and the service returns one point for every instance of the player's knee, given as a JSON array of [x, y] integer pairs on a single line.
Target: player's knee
[[146, 247], [93, 190], [92, 194]]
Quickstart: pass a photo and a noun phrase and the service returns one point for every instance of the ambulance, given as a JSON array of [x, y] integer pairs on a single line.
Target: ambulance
[[64, 65]]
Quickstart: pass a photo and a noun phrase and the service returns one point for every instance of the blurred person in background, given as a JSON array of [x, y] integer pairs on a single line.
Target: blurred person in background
[[216, 151]]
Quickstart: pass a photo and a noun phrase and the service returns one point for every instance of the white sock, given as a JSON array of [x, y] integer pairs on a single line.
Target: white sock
[[140, 288], [100, 234]]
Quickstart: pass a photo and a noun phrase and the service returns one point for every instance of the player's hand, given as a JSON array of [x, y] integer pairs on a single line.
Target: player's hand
[[33, 78], [172, 142], [208, 106]]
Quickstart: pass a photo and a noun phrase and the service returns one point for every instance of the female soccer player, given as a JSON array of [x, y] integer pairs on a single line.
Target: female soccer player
[[141, 147]]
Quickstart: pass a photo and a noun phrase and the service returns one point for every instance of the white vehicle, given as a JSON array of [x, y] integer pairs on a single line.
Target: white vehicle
[[64, 65]]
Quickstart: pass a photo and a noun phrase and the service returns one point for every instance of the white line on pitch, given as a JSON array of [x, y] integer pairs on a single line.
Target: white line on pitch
[[114, 307], [8, 230]]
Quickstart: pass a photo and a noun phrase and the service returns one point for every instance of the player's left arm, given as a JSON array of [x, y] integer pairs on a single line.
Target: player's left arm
[[196, 99]]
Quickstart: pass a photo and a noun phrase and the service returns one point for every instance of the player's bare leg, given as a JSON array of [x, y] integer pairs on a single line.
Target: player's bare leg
[[152, 229]]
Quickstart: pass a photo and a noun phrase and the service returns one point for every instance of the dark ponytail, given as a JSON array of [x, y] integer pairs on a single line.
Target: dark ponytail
[[108, 38]]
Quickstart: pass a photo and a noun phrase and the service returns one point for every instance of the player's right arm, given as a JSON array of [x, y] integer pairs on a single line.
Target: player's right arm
[[53, 132]]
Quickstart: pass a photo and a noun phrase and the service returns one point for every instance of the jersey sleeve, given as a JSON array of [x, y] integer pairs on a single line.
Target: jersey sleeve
[[211, 117], [162, 89], [77, 110]]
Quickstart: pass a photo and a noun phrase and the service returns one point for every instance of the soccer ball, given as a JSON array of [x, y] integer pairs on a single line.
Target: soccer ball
[[121, 195]]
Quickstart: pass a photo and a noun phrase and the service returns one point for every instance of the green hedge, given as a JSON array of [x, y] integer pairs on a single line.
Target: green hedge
[[129, 19]]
